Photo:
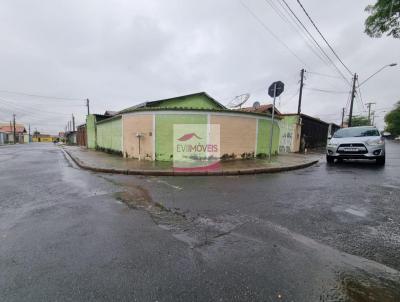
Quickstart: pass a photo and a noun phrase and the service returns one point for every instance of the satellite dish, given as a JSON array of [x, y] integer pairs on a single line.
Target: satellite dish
[[256, 105], [239, 100]]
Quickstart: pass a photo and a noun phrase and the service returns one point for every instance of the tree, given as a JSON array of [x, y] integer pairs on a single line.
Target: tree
[[384, 18], [359, 121], [392, 120]]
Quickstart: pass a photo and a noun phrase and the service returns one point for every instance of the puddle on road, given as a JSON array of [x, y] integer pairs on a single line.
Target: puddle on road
[[359, 213], [198, 232], [366, 287]]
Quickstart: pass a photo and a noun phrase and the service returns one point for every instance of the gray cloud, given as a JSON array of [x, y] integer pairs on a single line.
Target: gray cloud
[[118, 53]]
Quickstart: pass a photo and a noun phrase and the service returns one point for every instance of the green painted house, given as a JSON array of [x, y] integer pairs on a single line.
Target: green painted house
[[145, 131]]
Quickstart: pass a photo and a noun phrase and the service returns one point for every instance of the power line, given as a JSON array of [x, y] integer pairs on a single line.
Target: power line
[[316, 42], [326, 90], [293, 24], [324, 75], [42, 96], [271, 32], [327, 43], [29, 110]]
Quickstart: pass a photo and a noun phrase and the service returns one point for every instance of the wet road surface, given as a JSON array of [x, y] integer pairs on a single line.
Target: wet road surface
[[325, 233]]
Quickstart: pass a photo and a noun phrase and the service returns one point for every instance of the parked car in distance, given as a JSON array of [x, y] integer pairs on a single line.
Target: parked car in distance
[[356, 143]]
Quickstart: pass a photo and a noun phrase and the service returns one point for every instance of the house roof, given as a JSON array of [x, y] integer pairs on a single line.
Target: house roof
[[5, 127], [262, 109], [110, 113], [306, 116], [156, 104]]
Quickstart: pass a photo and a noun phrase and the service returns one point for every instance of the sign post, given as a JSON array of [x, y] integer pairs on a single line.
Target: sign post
[[274, 90]]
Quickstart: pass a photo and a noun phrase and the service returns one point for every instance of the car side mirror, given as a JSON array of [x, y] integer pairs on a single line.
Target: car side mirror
[[329, 136]]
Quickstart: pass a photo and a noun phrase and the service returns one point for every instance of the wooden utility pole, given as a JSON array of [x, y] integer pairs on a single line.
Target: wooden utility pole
[[73, 123], [15, 134], [343, 110], [369, 111], [301, 90], [353, 95], [87, 105]]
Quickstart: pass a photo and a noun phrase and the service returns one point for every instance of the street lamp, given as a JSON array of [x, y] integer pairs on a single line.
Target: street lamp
[[353, 92], [382, 68]]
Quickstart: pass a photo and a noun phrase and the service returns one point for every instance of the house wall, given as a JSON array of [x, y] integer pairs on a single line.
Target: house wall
[[45, 139], [288, 134], [81, 136], [109, 135], [264, 137], [26, 139], [91, 131], [237, 134], [164, 131], [133, 124], [2, 138]]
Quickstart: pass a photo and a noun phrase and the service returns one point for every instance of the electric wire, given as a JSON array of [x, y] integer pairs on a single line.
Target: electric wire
[[326, 90], [327, 43], [42, 96], [318, 45], [324, 75], [293, 24], [271, 32]]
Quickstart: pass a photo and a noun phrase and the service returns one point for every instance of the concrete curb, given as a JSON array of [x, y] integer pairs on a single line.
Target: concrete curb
[[201, 173]]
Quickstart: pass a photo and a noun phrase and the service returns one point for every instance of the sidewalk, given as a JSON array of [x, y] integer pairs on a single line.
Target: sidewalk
[[102, 162]]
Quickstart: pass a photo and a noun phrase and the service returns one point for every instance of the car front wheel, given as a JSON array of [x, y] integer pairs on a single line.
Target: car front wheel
[[330, 159], [380, 160]]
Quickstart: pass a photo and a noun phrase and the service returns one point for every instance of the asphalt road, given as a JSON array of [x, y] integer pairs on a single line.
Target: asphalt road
[[325, 233]]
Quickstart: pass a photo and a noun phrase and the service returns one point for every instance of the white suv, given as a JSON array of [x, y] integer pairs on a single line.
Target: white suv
[[356, 143]]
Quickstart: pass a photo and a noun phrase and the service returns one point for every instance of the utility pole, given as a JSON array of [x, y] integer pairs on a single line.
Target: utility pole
[[87, 105], [272, 124], [15, 136], [343, 110], [353, 94], [29, 133], [73, 123], [301, 90], [369, 111], [10, 134]]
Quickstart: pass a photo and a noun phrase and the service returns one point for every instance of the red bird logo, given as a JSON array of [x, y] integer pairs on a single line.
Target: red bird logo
[[188, 136]]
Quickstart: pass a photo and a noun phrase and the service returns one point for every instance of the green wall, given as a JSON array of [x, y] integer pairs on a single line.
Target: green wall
[[196, 101], [91, 131], [164, 131], [109, 135], [264, 136]]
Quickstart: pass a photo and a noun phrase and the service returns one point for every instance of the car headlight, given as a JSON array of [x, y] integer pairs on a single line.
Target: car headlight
[[375, 142], [332, 145]]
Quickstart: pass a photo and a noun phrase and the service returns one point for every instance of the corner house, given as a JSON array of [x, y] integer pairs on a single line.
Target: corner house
[[145, 131]]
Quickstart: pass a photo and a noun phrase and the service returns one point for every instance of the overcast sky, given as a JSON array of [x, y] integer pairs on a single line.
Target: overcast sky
[[120, 53]]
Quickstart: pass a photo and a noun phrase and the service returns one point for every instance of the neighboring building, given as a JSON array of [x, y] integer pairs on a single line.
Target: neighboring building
[[145, 131], [42, 138], [3, 137], [71, 137], [305, 132], [333, 128], [81, 138], [8, 130]]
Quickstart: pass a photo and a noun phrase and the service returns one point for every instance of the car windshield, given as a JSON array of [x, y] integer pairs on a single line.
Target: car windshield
[[356, 132]]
